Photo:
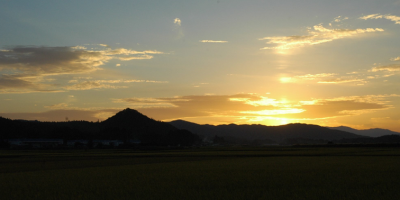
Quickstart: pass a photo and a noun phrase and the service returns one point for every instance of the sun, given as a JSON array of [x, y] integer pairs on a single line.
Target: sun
[[283, 121], [285, 79]]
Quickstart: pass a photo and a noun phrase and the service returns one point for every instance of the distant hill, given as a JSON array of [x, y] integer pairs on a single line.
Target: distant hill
[[376, 132], [386, 139], [262, 132], [137, 123], [130, 124], [126, 124]]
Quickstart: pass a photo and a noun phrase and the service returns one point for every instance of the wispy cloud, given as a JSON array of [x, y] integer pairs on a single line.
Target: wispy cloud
[[213, 41], [343, 80], [105, 84], [145, 102], [25, 83], [253, 107], [325, 78], [144, 57], [315, 76], [178, 28], [316, 35], [395, 59], [199, 105], [177, 21], [343, 106], [9, 81], [58, 106], [51, 60], [391, 68], [88, 85], [340, 18], [123, 51], [59, 112], [393, 18], [26, 66], [238, 108]]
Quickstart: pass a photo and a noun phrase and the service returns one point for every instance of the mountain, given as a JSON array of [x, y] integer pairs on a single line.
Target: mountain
[[262, 132], [130, 124], [137, 123], [376, 132], [205, 130], [126, 124]]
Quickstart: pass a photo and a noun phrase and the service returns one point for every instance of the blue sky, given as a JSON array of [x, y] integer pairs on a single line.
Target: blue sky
[[267, 62]]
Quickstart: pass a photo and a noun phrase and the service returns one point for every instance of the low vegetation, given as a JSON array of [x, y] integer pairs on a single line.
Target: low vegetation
[[209, 173]]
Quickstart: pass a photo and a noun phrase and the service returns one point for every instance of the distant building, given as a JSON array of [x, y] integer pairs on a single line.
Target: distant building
[[77, 143], [35, 143], [114, 143]]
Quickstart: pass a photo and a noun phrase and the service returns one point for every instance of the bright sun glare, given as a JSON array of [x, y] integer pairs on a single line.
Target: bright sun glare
[[284, 121], [285, 79]]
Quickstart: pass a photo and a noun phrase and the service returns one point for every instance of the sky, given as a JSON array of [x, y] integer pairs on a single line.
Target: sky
[[330, 63]]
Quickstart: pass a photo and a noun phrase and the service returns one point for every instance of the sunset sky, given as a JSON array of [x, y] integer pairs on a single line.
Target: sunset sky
[[321, 62]]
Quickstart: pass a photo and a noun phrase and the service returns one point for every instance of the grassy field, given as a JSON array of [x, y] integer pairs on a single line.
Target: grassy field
[[210, 173]]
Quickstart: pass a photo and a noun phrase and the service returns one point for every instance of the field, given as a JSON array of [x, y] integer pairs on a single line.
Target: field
[[203, 173]]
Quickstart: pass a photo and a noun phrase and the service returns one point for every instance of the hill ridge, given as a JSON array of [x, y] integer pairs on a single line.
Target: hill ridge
[[262, 132]]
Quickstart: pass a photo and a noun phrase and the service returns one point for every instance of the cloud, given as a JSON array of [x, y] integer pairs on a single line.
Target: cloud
[[144, 57], [343, 80], [190, 106], [24, 67], [178, 28], [395, 59], [123, 81], [340, 18], [123, 51], [325, 78], [65, 112], [393, 18], [177, 21], [275, 112], [213, 41], [238, 108], [88, 85], [105, 84], [317, 35], [390, 68], [144, 81], [51, 60], [9, 81], [58, 106], [343, 106], [145, 102], [24, 84], [331, 109], [315, 76], [63, 60], [247, 108]]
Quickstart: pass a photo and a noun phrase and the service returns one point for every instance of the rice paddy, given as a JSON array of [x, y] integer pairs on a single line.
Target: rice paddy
[[204, 173]]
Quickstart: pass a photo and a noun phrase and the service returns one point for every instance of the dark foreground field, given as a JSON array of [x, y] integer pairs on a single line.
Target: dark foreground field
[[231, 173]]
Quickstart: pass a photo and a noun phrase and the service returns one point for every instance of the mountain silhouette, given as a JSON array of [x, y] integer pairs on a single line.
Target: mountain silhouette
[[136, 123], [262, 132], [125, 125], [376, 132], [129, 124]]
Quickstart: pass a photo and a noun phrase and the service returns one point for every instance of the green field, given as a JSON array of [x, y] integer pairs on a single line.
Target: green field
[[204, 173]]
